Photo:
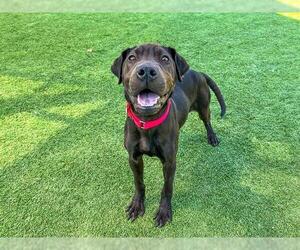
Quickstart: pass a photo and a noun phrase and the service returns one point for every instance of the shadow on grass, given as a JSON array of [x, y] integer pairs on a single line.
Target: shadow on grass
[[235, 189], [71, 169]]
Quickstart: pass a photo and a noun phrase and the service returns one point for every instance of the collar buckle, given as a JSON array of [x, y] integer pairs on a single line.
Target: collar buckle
[[142, 124]]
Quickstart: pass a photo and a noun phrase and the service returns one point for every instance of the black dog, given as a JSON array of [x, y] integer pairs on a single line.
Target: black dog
[[160, 90]]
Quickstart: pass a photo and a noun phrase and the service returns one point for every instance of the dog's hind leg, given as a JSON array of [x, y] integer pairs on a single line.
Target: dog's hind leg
[[201, 105], [204, 114]]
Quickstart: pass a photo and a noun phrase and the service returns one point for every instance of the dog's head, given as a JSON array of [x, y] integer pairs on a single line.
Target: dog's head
[[149, 73]]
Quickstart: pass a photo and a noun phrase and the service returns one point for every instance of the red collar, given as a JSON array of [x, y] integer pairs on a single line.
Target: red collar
[[148, 124]]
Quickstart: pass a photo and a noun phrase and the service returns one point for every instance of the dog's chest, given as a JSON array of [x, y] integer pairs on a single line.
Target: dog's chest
[[147, 145]]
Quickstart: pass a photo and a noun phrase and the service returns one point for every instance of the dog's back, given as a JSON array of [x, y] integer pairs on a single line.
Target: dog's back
[[192, 94]]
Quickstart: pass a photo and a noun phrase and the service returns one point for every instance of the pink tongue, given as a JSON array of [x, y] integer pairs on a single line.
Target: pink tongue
[[147, 99]]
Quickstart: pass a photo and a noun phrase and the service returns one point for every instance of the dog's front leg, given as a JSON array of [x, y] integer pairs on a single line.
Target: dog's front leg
[[164, 213], [136, 206]]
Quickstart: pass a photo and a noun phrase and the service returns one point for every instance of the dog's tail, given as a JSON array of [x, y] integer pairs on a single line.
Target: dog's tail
[[214, 87]]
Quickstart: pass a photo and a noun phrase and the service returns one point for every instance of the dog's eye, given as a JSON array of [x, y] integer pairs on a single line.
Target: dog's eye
[[131, 58], [165, 59]]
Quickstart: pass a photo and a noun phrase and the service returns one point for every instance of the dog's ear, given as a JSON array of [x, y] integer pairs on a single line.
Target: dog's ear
[[116, 67], [181, 65]]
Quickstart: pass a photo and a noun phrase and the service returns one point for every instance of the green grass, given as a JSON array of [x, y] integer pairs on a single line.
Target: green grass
[[63, 168]]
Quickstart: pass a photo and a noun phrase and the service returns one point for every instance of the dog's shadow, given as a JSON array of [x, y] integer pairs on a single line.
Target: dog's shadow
[[228, 189]]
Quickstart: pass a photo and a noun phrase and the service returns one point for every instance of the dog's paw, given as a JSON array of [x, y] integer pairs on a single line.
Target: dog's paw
[[163, 215], [213, 140], [135, 209]]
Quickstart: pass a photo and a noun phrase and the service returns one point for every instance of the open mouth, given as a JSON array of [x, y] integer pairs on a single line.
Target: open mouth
[[147, 98]]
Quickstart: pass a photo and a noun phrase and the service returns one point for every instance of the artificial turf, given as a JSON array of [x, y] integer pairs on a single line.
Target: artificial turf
[[63, 168]]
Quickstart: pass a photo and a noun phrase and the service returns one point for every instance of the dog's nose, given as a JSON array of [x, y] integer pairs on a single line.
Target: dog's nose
[[146, 72]]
